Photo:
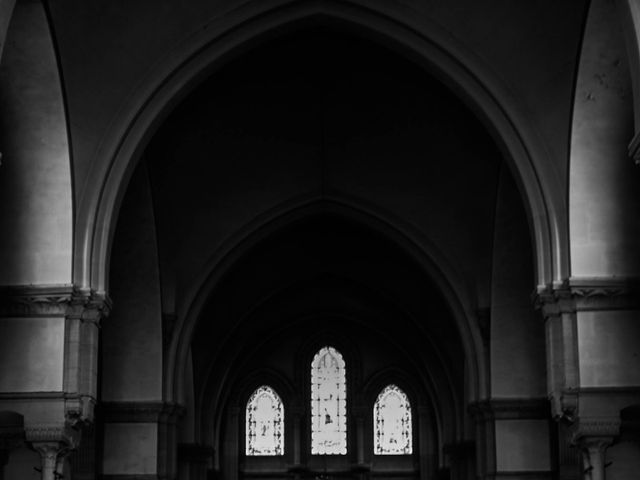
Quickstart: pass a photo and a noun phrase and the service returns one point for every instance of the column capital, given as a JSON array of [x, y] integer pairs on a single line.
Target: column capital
[[595, 432], [54, 300], [554, 300], [63, 433], [52, 455], [576, 294]]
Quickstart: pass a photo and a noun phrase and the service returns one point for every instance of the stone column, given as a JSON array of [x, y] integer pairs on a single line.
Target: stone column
[[589, 381], [593, 451], [593, 436], [53, 442], [52, 456], [50, 335]]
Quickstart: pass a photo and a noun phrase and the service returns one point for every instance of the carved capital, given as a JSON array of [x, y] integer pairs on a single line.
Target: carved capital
[[609, 293], [595, 429], [53, 300], [593, 454], [89, 306], [587, 294], [554, 301], [60, 433], [52, 456]]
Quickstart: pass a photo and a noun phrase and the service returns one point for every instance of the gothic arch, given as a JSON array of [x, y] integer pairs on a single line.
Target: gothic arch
[[450, 285], [201, 54]]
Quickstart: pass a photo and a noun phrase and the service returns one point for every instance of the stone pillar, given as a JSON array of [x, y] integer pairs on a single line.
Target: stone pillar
[[592, 364], [593, 436], [593, 451], [53, 442], [48, 345], [52, 456]]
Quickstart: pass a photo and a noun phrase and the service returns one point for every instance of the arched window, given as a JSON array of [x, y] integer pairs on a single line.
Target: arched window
[[392, 423], [328, 403], [264, 423]]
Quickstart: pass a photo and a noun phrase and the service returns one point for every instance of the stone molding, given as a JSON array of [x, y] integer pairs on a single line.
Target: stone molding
[[510, 409], [141, 412], [595, 428], [62, 432], [54, 300], [578, 294]]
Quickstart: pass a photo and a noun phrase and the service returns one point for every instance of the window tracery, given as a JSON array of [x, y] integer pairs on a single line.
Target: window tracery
[[264, 423], [392, 422], [328, 403]]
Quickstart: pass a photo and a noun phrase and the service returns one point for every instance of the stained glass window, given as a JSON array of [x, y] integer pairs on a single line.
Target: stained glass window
[[392, 423], [264, 423], [328, 403]]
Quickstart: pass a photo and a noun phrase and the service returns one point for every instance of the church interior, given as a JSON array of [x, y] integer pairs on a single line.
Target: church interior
[[320, 240]]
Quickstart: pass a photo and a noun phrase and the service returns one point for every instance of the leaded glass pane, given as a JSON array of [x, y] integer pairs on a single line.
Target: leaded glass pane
[[392, 420], [328, 403], [264, 423]]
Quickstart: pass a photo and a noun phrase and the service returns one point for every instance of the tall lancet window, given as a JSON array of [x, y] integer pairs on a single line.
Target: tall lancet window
[[264, 423], [392, 423], [328, 403]]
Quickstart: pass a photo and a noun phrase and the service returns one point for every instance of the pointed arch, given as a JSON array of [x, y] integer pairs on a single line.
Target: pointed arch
[[328, 403], [392, 424], [264, 423]]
